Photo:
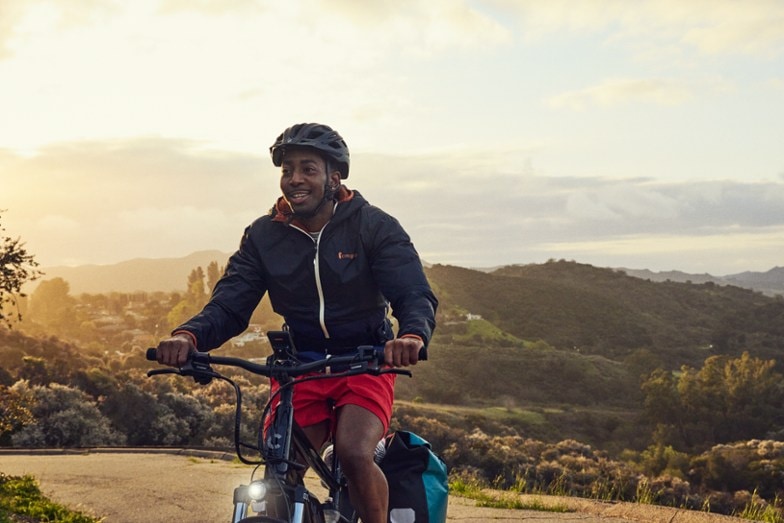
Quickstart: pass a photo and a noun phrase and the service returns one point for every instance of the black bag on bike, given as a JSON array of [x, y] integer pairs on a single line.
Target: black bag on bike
[[417, 479]]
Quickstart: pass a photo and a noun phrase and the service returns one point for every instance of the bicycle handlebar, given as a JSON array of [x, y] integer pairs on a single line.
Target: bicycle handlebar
[[366, 359], [199, 363]]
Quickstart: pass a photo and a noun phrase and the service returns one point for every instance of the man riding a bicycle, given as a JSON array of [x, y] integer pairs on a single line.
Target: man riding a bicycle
[[332, 264]]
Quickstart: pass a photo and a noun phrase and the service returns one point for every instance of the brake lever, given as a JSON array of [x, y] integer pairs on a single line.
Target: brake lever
[[201, 373], [156, 372], [388, 370]]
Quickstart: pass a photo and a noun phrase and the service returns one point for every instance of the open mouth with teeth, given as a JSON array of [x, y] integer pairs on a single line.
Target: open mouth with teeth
[[297, 198]]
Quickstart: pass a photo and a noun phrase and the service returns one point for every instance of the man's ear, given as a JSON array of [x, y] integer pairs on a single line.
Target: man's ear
[[334, 179]]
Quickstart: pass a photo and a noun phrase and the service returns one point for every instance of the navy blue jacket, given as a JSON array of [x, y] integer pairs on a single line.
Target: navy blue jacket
[[333, 293]]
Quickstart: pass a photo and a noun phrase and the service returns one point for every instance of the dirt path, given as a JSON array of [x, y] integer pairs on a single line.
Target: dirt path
[[162, 487]]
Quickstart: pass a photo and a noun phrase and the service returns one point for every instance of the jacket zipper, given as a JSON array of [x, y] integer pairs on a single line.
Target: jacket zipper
[[317, 274], [319, 288]]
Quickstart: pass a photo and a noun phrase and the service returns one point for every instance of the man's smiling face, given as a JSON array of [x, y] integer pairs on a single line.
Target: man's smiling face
[[303, 179]]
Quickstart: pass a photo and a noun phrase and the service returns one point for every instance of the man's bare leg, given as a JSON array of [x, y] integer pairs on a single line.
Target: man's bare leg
[[358, 432]]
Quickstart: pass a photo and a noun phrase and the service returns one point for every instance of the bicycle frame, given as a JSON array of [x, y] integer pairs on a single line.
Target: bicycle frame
[[284, 442], [282, 493]]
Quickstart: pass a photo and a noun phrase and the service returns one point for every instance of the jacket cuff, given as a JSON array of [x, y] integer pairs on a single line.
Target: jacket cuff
[[415, 336], [189, 334]]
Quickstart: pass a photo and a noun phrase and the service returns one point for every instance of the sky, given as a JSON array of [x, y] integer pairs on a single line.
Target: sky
[[639, 134]]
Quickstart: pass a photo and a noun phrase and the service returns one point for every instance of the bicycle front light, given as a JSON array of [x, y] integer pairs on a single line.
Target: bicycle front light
[[257, 490]]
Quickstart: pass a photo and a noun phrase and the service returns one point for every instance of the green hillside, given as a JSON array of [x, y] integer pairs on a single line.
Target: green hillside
[[569, 342], [587, 310], [531, 367]]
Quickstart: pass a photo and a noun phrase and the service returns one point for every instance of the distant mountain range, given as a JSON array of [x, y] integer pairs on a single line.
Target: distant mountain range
[[140, 274], [171, 274], [770, 283]]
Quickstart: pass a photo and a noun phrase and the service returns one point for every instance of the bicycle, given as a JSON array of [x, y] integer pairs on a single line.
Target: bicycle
[[281, 496]]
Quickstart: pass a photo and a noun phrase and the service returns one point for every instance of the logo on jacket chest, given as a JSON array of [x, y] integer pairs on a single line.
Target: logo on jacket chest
[[346, 255]]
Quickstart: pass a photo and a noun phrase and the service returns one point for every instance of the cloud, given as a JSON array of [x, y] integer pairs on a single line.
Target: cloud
[[740, 251], [776, 84], [448, 185], [107, 201], [623, 91], [755, 28], [58, 224], [486, 214], [227, 72], [174, 219], [23, 19], [708, 26], [101, 202], [422, 27], [210, 7], [11, 12]]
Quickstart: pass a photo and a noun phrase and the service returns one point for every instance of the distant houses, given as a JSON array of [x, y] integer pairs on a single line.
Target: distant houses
[[249, 336]]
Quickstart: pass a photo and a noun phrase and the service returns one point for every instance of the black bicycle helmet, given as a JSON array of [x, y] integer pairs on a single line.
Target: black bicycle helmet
[[318, 136]]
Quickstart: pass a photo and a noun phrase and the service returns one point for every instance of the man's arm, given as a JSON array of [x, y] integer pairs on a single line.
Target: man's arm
[[398, 270], [228, 312]]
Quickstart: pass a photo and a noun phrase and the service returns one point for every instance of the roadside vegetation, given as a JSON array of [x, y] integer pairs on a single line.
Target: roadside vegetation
[[555, 379], [21, 501], [472, 489]]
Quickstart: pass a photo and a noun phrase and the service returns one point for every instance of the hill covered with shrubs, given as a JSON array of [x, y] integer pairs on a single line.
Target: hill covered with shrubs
[[605, 312], [549, 377]]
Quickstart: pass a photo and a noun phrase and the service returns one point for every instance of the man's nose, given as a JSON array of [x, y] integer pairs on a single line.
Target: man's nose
[[296, 177]]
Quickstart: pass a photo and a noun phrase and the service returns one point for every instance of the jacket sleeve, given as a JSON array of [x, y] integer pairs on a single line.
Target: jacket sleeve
[[398, 270], [233, 300]]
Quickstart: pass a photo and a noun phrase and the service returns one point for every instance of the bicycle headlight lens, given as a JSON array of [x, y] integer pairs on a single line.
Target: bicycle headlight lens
[[257, 490]]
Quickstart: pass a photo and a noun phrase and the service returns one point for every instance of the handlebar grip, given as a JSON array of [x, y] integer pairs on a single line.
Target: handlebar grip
[[379, 350], [152, 354]]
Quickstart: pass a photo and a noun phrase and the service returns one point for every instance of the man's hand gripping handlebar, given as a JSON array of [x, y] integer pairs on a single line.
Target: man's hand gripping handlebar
[[367, 359]]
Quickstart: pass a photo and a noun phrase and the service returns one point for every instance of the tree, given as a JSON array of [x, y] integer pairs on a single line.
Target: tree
[[662, 403], [735, 399], [52, 306], [16, 268], [194, 299], [64, 417], [35, 370], [13, 414], [726, 400], [214, 273], [196, 292], [198, 419]]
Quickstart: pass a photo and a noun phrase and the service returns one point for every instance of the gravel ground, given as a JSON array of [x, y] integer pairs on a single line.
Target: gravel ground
[[147, 486]]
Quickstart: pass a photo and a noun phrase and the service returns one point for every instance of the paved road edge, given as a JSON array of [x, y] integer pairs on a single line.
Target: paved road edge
[[606, 509]]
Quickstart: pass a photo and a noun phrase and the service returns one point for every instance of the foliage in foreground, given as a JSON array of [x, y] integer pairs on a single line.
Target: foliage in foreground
[[54, 395], [471, 488], [742, 478], [17, 267], [20, 497]]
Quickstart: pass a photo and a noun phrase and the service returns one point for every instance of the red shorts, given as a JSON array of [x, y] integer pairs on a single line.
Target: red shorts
[[313, 399]]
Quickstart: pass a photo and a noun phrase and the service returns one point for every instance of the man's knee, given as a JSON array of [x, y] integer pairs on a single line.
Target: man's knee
[[354, 458]]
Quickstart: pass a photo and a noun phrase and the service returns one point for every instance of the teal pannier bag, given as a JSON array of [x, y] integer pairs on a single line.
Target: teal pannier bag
[[417, 479]]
